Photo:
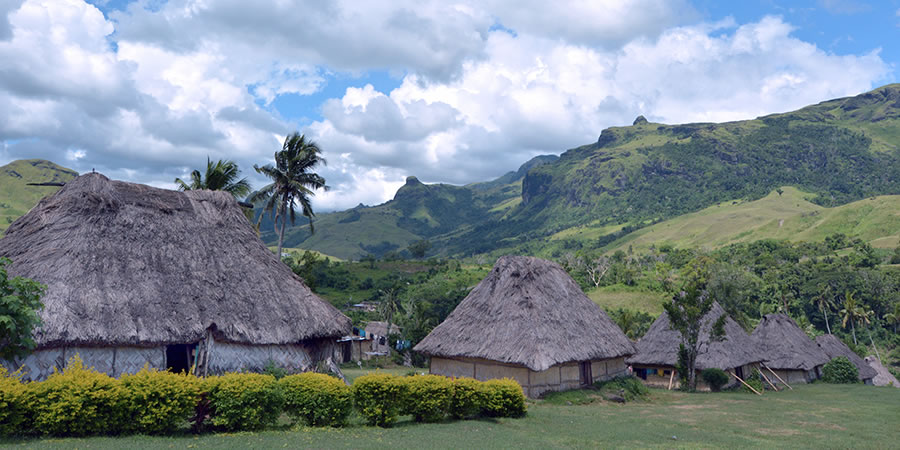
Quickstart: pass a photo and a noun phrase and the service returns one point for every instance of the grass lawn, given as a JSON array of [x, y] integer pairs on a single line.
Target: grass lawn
[[613, 297], [819, 415]]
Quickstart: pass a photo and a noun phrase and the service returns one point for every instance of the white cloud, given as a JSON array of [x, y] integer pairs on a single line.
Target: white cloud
[[150, 93]]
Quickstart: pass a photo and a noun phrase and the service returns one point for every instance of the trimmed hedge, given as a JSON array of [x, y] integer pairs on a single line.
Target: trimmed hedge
[[428, 397], [379, 398], [77, 402], [80, 401], [158, 402], [244, 401], [317, 399], [12, 402]]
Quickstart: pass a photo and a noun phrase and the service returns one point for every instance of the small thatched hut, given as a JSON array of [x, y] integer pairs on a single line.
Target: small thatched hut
[[657, 352], [137, 275], [833, 347], [884, 376], [787, 350], [528, 320]]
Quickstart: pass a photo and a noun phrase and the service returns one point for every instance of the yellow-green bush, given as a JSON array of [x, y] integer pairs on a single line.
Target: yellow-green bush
[[243, 401], [378, 397], [12, 408], [158, 402], [428, 397], [503, 398], [316, 398], [77, 401], [468, 396]]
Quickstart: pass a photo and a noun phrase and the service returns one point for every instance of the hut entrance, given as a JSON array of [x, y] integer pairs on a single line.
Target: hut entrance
[[178, 357], [586, 376]]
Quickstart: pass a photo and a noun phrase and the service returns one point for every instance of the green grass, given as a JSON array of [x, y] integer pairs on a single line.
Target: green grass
[[613, 297], [814, 416], [16, 197], [787, 216]]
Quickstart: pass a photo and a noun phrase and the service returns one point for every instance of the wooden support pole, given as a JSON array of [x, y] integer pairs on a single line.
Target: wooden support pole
[[744, 383], [776, 376], [767, 381], [671, 377]]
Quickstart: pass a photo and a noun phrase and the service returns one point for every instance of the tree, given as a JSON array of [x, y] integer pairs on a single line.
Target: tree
[[292, 182], [419, 248], [893, 317], [219, 176], [824, 303], [850, 313], [20, 301], [388, 307], [686, 311], [597, 268]]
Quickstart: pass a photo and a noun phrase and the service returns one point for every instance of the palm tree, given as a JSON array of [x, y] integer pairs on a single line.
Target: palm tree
[[893, 317], [220, 176], [292, 182], [825, 303], [850, 313], [389, 306]]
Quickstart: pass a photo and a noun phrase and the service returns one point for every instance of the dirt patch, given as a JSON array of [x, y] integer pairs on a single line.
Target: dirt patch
[[690, 407], [828, 426], [779, 432]]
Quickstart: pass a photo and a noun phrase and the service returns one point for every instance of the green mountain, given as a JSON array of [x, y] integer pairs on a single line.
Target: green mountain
[[417, 211], [16, 196], [598, 195]]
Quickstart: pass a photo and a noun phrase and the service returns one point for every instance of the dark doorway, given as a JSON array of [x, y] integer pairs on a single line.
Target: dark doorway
[[586, 376], [178, 357], [739, 371]]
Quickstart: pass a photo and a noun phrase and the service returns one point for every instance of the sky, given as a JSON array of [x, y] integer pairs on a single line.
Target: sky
[[448, 91]]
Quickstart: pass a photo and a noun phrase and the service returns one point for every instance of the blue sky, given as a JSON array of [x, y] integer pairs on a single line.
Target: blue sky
[[453, 92]]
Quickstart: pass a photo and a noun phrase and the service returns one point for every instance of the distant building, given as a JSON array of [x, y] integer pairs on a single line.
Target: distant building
[[833, 347], [787, 350], [529, 321]]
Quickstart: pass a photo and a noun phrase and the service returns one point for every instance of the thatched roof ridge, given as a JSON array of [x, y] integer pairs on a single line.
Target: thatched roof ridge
[[527, 311], [129, 264], [659, 346], [833, 347], [785, 346]]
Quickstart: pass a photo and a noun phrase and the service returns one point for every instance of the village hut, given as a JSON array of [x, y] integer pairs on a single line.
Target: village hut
[[833, 347], [657, 351], [787, 350], [529, 321], [137, 275], [883, 376]]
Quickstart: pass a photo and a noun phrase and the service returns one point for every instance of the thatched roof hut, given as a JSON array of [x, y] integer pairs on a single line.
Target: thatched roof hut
[[785, 347], [659, 346], [129, 265], [884, 376], [529, 315], [833, 347]]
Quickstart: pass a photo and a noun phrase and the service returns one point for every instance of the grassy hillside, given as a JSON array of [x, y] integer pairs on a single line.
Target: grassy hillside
[[840, 151], [789, 216], [16, 197]]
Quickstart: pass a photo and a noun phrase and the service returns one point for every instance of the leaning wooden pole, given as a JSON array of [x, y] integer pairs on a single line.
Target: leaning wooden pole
[[744, 383], [776, 376], [768, 381], [671, 377]]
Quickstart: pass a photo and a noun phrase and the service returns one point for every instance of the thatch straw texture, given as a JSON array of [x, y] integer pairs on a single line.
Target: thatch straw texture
[[128, 264], [785, 346], [527, 311], [884, 376], [833, 347], [659, 346]]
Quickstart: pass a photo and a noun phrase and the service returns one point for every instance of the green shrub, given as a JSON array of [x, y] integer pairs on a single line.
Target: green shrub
[[158, 401], [755, 381], [715, 378], [468, 396], [840, 370], [79, 401], [272, 369], [316, 398], [378, 397], [630, 387], [12, 403], [428, 397], [244, 401], [503, 398]]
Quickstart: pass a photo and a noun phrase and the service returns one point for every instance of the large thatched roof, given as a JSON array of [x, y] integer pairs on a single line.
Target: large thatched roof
[[785, 346], [128, 264], [833, 347], [659, 346], [527, 311]]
